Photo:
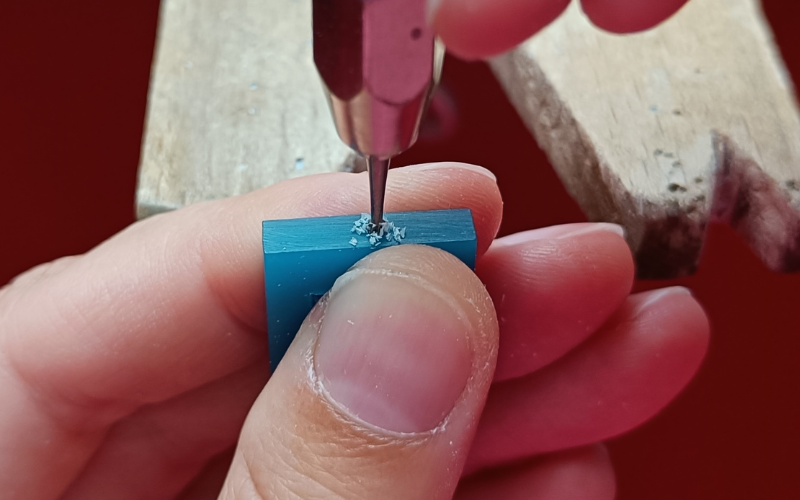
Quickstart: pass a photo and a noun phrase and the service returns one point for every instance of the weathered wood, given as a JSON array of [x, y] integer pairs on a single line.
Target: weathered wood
[[235, 103], [664, 130]]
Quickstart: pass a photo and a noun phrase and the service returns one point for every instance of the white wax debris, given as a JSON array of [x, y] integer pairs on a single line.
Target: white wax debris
[[385, 232]]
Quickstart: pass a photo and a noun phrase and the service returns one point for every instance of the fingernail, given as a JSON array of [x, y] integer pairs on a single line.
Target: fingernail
[[433, 6], [393, 351], [560, 232], [450, 165], [654, 297]]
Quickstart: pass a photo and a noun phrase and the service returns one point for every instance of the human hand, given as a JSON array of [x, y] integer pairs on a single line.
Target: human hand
[[481, 28], [128, 372]]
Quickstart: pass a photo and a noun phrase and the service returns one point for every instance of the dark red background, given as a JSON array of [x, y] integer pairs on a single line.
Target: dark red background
[[73, 85]]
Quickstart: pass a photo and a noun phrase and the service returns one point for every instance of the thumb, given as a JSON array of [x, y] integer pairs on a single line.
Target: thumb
[[381, 391]]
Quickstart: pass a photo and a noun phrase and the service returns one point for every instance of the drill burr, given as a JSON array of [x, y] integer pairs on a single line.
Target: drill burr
[[379, 63]]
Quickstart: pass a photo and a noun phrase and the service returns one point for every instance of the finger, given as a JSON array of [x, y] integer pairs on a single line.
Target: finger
[[583, 473], [38, 273], [552, 288], [166, 306], [618, 379], [628, 16], [156, 452], [380, 393], [475, 29]]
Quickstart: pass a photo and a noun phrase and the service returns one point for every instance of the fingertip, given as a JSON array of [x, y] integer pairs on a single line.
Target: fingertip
[[449, 184], [477, 29], [640, 360], [466, 167], [552, 288], [404, 331], [676, 313], [629, 16]]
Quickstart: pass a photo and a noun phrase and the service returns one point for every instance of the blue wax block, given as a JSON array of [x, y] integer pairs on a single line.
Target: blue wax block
[[304, 257]]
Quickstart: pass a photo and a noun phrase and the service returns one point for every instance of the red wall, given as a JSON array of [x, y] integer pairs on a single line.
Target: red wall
[[73, 83]]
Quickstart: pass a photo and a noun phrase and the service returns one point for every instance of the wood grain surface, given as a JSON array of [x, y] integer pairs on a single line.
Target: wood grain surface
[[235, 103], [664, 130]]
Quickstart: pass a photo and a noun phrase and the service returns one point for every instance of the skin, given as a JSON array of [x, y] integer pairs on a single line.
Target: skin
[[130, 372], [477, 29]]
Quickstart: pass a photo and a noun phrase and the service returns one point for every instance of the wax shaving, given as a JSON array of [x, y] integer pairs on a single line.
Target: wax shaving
[[377, 233]]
